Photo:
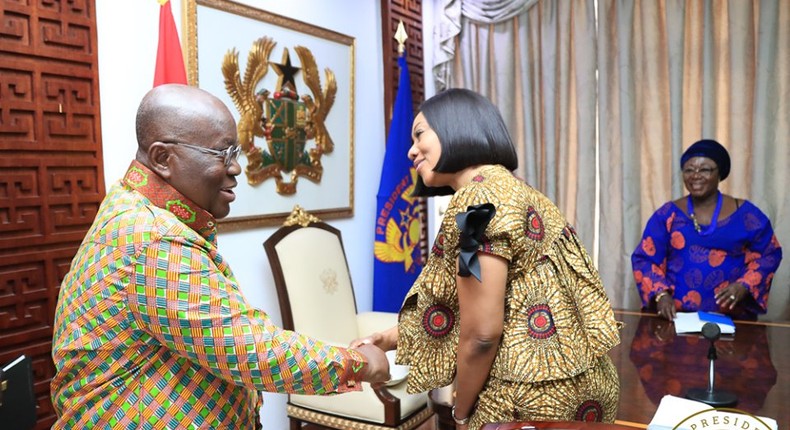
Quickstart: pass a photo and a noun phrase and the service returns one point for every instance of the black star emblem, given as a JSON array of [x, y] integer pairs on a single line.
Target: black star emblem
[[286, 73]]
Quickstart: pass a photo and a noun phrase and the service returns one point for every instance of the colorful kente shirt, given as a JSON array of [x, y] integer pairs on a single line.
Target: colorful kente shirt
[[673, 256], [152, 331], [552, 362]]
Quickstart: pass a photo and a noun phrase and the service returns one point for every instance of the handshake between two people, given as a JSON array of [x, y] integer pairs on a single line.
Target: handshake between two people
[[373, 347]]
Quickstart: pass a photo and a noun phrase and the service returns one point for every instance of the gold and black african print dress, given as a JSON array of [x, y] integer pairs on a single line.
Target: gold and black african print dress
[[552, 361]]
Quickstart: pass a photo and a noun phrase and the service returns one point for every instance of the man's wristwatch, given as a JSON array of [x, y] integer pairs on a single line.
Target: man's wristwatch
[[458, 421]]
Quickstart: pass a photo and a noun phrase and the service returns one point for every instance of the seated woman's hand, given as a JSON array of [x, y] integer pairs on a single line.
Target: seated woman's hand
[[666, 307], [730, 295], [663, 331]]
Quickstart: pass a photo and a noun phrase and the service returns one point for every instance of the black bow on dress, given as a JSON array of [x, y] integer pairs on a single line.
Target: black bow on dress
[[473, 224]]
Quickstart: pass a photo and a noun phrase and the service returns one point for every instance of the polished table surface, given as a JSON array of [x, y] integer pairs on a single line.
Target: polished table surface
[[653, 361], [555, 425]]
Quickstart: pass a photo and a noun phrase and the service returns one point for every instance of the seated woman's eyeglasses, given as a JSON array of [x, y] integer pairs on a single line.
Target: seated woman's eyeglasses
[[704, 171], [228, 154]]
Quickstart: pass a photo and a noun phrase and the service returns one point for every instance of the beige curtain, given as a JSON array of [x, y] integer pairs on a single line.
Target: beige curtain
[[659, 75], [536, 61], [672, 72]]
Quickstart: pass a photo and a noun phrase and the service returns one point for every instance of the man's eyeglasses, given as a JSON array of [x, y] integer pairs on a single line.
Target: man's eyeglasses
[[228, 154], [704, 171]]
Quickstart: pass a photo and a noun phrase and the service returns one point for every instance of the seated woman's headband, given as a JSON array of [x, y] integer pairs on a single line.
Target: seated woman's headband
[[709, 148]]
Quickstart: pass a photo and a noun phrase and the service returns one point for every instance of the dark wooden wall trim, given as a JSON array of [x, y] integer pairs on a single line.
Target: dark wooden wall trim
[[410, 12], [51, 174]]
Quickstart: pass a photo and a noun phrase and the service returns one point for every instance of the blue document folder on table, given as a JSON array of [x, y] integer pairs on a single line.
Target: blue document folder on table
[[692, 322]]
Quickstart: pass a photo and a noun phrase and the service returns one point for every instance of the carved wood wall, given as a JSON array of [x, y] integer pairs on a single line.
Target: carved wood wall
[[51, 175], [410, 12]]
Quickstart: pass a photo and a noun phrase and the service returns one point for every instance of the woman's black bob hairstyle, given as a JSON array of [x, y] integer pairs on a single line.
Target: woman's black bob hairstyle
[[471, 132]]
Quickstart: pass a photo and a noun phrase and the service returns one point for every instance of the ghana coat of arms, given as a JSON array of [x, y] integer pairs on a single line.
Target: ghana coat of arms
[[287, 121]]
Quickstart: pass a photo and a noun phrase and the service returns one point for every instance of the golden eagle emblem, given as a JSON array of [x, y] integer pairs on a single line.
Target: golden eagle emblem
[[399, 245], [286, 121]]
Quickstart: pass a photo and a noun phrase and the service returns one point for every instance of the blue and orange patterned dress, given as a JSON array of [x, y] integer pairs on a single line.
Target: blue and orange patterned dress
[[673, 256]]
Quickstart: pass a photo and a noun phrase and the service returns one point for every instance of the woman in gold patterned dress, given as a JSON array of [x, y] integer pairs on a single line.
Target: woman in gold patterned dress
[[509, 304]]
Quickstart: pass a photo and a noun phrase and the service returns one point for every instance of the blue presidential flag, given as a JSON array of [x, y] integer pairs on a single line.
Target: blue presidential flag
[[398, 258]]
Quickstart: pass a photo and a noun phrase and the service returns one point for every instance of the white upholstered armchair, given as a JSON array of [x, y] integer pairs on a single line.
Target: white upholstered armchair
[[317, 299]]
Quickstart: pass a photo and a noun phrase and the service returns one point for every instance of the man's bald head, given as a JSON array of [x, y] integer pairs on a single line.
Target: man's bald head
[[170, 113], [174, 122]]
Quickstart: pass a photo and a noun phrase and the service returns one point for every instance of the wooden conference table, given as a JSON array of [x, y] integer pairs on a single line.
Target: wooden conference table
[[653, 361]]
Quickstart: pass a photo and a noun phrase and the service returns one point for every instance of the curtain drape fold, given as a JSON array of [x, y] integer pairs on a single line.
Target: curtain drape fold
[[538, 67], [631, 84], [449, 26], [670, 73]]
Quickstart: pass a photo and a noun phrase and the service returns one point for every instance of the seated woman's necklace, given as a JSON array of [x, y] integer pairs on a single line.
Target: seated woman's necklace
[[714, 219]]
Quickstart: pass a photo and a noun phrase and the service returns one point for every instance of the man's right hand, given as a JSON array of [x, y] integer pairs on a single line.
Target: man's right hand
[[378, 368]]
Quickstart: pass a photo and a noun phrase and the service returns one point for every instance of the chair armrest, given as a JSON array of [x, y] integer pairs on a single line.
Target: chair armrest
[[372, 322], [441, 401], [444, 395]]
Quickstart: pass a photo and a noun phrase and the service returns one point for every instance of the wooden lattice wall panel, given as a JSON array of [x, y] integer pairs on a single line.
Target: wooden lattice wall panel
[[410, 12], [51, 176]]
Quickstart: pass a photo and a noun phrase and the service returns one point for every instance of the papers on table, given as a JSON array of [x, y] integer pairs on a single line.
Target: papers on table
[[684, 414], [692, 322]]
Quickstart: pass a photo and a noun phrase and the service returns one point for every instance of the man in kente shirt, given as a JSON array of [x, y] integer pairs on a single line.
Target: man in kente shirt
[[151, 329]]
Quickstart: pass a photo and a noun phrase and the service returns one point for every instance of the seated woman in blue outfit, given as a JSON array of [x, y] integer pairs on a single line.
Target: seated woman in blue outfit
[[706, 251]]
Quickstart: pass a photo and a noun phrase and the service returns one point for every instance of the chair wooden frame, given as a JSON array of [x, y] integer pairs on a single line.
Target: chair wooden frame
[[297, 414], [18, 407]]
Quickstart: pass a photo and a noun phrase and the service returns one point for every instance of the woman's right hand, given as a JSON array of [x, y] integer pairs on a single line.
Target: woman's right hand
[[373, 339], [387, 340], [666, 307]]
